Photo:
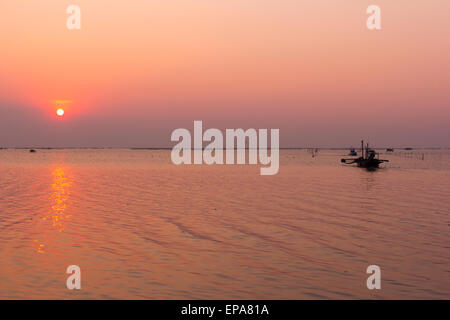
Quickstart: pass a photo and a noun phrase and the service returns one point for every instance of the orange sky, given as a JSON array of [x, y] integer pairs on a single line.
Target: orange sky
[[139, 69]]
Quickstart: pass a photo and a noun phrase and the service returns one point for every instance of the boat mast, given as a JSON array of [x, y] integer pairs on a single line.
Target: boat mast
[[362, 148]]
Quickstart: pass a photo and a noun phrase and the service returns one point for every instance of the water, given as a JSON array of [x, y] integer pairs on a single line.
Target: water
[[140, 227]]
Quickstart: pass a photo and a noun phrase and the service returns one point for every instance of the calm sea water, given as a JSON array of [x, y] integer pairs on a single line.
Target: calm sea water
[[140, 227]]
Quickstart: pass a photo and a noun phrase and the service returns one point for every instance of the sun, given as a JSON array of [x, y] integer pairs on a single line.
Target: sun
[[60, 112]]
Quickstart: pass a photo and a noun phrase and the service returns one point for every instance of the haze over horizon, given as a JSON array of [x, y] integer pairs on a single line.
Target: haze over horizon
[[136, 71]]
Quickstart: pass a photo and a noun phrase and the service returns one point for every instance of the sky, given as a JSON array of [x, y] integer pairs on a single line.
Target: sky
[[137, 70]]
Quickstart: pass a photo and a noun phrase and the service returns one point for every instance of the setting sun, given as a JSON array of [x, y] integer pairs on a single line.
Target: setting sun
[[60, 112]]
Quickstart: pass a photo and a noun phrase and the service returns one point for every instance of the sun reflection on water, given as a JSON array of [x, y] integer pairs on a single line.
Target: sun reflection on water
[[60, 192], [60, 199]]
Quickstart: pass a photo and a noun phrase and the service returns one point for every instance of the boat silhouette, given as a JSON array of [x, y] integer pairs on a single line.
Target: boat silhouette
[[369, 158]]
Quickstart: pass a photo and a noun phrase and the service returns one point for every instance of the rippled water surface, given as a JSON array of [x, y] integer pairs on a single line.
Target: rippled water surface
[[140, 227]]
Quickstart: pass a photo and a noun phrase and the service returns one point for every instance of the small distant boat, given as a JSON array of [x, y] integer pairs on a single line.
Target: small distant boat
[[369, 159], [32, 150], [408, 148], [389, 150], [353, 152]]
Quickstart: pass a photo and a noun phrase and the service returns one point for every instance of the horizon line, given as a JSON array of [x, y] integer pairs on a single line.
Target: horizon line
[[170, 148]]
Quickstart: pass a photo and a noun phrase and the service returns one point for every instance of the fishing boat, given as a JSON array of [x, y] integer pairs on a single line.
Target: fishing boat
[[353, 152], [369, 158]]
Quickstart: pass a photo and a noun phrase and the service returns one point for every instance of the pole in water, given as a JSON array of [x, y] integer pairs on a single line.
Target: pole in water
[[362, 148]]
